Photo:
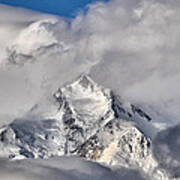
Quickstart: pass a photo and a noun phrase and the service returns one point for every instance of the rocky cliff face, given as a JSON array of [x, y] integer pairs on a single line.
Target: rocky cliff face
[[92, 123]]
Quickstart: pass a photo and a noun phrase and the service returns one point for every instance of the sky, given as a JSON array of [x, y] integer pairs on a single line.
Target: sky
[[67, 8]]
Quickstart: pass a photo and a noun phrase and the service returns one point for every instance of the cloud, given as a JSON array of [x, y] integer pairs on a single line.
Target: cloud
[[66, 168], [140, 59], [129, 46], [166, 149]]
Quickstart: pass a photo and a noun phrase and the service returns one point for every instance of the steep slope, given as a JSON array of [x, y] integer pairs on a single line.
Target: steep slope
[[88, 107], [92, 122]]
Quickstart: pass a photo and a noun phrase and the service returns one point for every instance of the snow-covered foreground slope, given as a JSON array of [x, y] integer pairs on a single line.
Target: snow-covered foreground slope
[[90, 122]]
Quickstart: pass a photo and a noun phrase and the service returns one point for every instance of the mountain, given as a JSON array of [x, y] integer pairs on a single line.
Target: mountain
[[91, 122], [37, 39]]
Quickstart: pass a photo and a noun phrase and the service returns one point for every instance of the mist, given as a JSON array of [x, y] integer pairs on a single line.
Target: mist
[[167, 149], [66, 168], [133, 51], [129, 46]]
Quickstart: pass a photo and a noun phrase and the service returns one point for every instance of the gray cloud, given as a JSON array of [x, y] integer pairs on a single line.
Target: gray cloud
[[166, 149], [129, 46], [63, 168]]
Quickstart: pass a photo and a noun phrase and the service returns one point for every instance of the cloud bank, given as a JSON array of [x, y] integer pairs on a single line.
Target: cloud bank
[[129, 46], [63, 168], [167, 149]]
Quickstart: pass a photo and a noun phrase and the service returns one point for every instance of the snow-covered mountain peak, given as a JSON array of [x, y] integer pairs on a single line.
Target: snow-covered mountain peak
[[36, 35], [90, 121], [85, 81], [88, 94], [86, 107], [84, 86], [85, 97], [39, 38]]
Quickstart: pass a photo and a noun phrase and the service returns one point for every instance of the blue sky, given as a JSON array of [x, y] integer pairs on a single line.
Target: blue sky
[[68, 8]]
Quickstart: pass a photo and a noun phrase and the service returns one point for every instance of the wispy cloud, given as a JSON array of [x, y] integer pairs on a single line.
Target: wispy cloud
[[167, 149]]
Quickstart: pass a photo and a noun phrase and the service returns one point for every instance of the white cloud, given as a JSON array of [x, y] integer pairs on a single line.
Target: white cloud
[[129, 46], [166, 150]]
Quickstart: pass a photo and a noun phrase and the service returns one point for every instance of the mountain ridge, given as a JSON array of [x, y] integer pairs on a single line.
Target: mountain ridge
[[91, 122], [84, 109]]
